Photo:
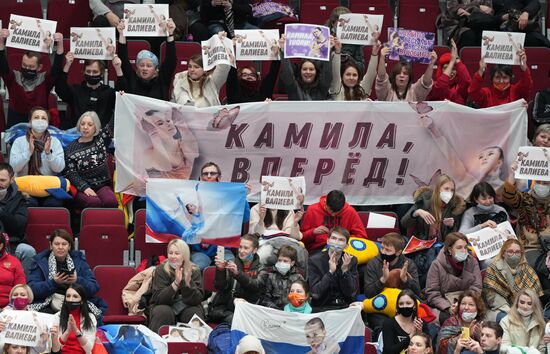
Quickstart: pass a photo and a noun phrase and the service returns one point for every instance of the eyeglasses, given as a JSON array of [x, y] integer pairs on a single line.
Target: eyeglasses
[[512, 253], [207, 174]]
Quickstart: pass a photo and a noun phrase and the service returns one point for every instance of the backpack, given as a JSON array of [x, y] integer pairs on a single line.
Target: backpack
[[219, 340]]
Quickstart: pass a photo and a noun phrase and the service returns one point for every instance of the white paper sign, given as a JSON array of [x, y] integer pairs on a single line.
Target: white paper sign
[[533, 163], [358, 28], [93, 43], [501, 47], [217, 50], [145, 20], [487, 242], [380, 221], [28, 328], [257, 44], [285, 193], [31, 33]]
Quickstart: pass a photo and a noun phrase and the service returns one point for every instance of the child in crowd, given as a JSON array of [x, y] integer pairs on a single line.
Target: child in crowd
[[298, 297], [277, 278]]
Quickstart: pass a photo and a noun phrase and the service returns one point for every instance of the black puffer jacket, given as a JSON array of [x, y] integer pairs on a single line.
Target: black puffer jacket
[[276, 286]]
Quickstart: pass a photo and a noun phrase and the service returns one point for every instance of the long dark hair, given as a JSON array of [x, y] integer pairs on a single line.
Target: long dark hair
[[396, 71], [298, 75], [84, 309], [412, 295], [355, 93], [279, 218]]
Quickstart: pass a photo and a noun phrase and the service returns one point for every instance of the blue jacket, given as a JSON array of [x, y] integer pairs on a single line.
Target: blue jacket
[[42, 287]]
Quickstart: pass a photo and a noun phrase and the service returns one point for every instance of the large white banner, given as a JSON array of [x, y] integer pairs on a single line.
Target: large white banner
[[329, 332], [375, 152]]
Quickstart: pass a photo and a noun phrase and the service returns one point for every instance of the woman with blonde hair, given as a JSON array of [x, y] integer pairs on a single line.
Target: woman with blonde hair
[[524, 325], [437, 210], [177, 290], [507, 275]]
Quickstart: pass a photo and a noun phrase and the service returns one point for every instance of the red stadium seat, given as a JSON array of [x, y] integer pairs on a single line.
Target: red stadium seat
[[538, 60], [75, 75], [69, 13], [208, 275], [41, 222], [144, 250], [102, 216], [470, 56], [316, 12], [375, 8], [2, 116], [104, 244], [31, 8], [15, 55], [112, 280], [134, 47], [375, 234], [184, 50], [419, 15]]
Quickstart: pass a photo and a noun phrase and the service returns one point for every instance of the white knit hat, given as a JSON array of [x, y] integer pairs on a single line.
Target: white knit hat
[[249, 344]]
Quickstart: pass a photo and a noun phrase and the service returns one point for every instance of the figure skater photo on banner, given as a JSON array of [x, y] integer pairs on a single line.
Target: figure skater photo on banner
[[46, 36], [223, 118], [320, 45], [317, 338], [160, 19], [107, 43], [173, 146], [194, 215], [298, 193], [128, 339], [486, 165]]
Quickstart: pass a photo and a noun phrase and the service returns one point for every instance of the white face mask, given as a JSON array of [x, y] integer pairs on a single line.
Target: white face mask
[[525, 313], [446, 196], [175, 265], [39, 125], [3, 193], [282, 267], [541, 190], [468, 316], [460, 256]]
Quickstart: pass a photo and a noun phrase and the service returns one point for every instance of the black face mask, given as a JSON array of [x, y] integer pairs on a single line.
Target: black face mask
[[405, 311], [388, 257], [72, 305], [92, 80], [29, 74]]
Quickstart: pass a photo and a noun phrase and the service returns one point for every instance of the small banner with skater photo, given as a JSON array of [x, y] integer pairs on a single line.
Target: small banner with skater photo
[[501, 47], [409, 45], [487, 242], [307, 41], [285, 193], [27, 328], [31, 33], [145, 20], [358, 28], [533, 163], [217, 50], [196, 212], [93, 43], [257, 44]]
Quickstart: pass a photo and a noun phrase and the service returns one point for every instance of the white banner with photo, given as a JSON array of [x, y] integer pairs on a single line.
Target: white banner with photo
[[257, 44], [31, 33], [27, 328], [145, 20], [501, 47], [533, 163], [218, 50], [93, 43], [487, 242], [358, 29], [375, 152], [285, 193]]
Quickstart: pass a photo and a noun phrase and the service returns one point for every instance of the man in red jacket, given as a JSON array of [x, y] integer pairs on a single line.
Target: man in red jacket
[[331, 210]]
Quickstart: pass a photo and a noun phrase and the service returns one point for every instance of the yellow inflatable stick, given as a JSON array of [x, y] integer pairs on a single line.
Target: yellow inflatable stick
[[362, 249], [44, 186]]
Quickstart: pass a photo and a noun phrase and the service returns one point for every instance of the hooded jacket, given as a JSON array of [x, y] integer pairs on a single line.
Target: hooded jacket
[[13, 215], [454, 209], [11, 274], [444, 89], [442, 280], [317, 215]]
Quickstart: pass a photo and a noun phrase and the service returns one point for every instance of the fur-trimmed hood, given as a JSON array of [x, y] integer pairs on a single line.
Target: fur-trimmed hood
[[424, 194]]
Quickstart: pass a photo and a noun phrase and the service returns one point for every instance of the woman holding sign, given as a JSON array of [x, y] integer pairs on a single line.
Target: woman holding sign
[[399, 86], [310, 81], [502, 90], [197, 87], [149, 79], [345, 84]]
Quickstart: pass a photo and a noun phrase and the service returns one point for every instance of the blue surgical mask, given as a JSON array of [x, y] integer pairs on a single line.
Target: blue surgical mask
[[247, 258]]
